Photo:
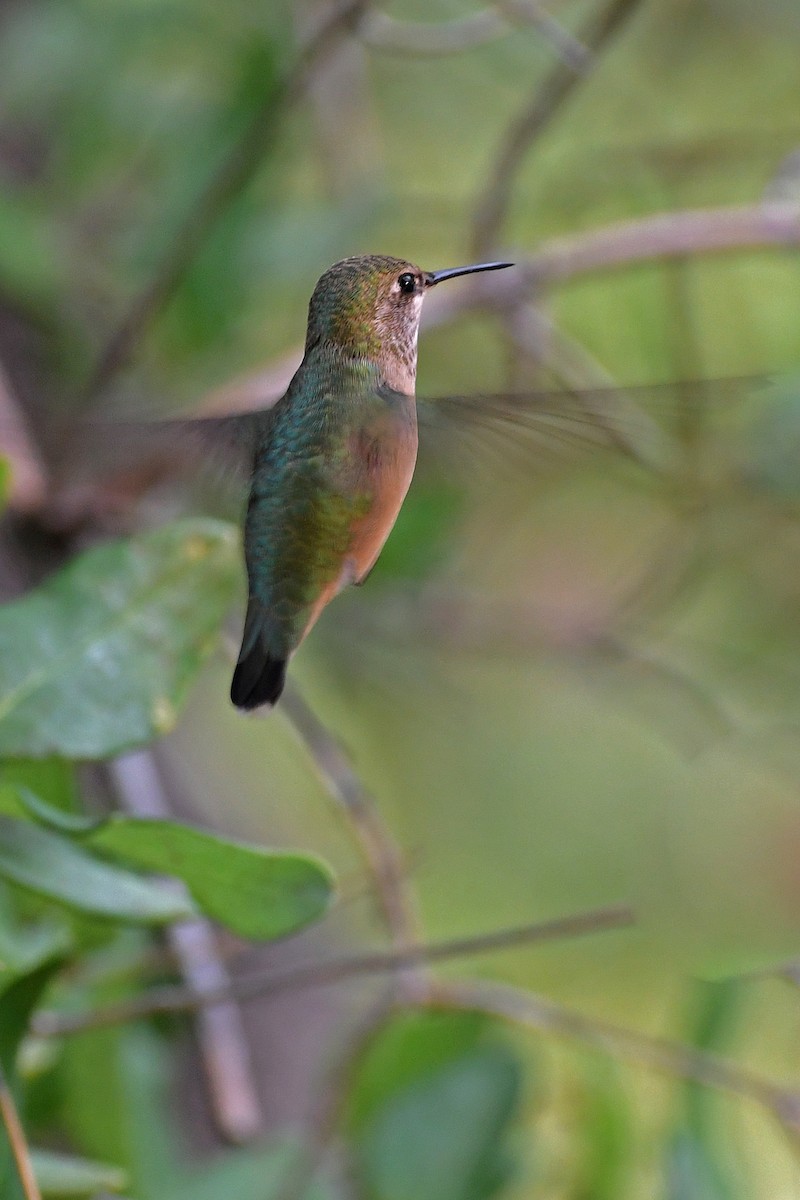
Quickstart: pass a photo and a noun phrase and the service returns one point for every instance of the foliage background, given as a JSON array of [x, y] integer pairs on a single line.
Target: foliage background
[[618, 722]]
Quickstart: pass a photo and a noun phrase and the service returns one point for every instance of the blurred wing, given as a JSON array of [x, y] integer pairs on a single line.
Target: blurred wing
[[650, 425], [105, 464]]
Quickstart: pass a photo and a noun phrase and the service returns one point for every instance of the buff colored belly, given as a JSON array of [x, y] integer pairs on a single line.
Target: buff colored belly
[[386, 471]]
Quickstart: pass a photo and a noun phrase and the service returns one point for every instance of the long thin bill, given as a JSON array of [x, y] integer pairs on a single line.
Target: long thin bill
[[434, 277]]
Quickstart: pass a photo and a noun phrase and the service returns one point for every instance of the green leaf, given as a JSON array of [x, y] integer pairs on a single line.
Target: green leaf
[[18, 1002], [411, 1046], [51, 779], [443, 1138], [606, 1129], [694, 1171], [64, 1177], [101, 657], [5, 479], [16, 800], [257, 893], [55, 867], [24, 946], [259, 1173]]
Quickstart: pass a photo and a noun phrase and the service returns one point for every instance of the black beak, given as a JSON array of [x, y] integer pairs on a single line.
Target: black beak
[[434, 277]]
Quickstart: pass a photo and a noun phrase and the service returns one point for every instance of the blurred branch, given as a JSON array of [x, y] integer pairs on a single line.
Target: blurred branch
[[663, 235], [28, 487], [235, 172], [271, 982], [424, 38], [16, 1139], [548, 99], [673, 1058], [349, 141], [331, 1098], [381, 852], [221, 1036]]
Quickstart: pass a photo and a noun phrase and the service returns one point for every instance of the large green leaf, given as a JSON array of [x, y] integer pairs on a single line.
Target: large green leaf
[[257, 893], [54, 866], [101, 657]]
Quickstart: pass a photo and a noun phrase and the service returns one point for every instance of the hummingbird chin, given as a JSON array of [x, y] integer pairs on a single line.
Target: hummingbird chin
[[333, 461]]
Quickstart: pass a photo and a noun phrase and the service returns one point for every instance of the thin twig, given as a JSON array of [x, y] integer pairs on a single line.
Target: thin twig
[[331, 1097], [673, 1058], [428, 39], [382, 854], [548, 100], [272, 982], [220, 1033], [28, 488], [662, 235], [235, 172], [17, 1140]]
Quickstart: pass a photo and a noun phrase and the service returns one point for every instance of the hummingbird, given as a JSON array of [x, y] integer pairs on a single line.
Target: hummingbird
[[333, 460]]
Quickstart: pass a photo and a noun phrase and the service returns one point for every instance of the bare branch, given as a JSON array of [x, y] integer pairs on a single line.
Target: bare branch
[[221, 1036], [331, 1097], [17, 1141], [673, 1058], [548, 100], [324, 974], [381, 852], [663, 235], [235, 172], [28, 475], [428, 39]]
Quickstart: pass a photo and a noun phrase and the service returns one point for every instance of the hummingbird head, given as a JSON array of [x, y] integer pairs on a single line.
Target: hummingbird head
[[369, 307]]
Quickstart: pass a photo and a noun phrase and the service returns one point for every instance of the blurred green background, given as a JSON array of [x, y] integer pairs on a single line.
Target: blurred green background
[[582, 685]]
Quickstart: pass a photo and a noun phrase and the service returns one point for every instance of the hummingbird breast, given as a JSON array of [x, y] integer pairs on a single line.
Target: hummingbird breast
[[327, 489]]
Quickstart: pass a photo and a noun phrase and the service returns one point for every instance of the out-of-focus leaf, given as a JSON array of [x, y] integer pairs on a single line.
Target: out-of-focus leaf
[[19, 801], [64, 1177], [101, 657], [412, 1046], [18, 1002], [5, 477], [605, 1135], [257, 893], [692, 1172], [24, 946], [697, 1163], [259, 1173], [52, 780], [443, 1137], [55, 867]]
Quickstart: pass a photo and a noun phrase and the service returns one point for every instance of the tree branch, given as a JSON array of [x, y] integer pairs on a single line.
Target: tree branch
[[382, 854], [28, 488], [663, 235], [272, 982], [673, 1058], [17, 1141], [235, 172], [220, 1033], [548, 99], [428, 39]]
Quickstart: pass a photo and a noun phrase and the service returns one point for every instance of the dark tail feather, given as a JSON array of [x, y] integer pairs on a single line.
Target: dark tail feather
[[260, 674]]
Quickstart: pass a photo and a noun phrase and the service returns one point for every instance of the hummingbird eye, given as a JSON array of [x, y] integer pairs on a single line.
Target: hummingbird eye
[[407, 282]]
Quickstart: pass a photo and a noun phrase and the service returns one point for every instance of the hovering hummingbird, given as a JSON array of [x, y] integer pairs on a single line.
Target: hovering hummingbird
[[333, 460]]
